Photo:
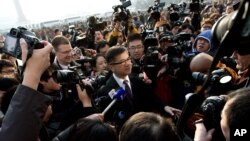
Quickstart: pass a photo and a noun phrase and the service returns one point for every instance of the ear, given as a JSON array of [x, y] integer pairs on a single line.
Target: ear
[[111, 67]]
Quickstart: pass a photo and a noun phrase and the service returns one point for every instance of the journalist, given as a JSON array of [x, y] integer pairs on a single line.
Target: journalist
[[23, 119], [234, 116], [136, 51], [63, 52]]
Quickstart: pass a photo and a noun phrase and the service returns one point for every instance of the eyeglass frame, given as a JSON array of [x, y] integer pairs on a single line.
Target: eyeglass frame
[[138, 47], [121, 62]]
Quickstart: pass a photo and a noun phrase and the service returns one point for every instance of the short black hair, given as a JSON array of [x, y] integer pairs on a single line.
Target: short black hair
[[93, 63], [100, 45], [113, 52], [93, 130], [238, 111], [134, 36], [186, 25], [148, 126], [45, 76], [56, 30]]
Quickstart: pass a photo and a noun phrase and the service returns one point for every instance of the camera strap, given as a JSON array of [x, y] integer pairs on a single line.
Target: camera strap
[[24, 64]]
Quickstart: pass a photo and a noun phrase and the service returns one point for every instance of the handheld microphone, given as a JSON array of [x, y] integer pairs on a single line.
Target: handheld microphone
[[117, 96]]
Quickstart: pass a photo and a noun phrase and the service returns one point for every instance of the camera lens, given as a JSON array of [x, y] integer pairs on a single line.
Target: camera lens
[[14, 33]]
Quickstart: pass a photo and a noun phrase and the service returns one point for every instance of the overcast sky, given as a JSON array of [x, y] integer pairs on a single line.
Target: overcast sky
[[43, 10]]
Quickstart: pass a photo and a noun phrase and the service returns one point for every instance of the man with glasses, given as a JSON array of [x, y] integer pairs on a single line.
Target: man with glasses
[[135, 46], [138, 96]]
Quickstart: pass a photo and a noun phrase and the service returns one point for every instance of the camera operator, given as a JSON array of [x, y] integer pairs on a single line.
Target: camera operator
[[136, 52], [63, 52], [28, 106], [165, 40], [70, 92], [234, 116], [123, 23], [176, 27], [113, 36], [61, 106]]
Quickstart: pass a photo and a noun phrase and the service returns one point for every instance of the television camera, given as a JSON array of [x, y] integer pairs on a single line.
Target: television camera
[[88, 40], [120, 12], [155, 10]]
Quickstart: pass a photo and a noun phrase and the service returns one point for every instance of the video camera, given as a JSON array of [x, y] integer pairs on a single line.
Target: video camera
[[12, 42], [88, 40], [96, 24], [221, 81], [156, 9], [151, 47], [120, 12], [211, 110], [176, 11], [196, 5], [69, 78], [179, 54], [72, 76]]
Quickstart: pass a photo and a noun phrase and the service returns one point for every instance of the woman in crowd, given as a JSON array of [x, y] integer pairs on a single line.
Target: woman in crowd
[[99, 65]]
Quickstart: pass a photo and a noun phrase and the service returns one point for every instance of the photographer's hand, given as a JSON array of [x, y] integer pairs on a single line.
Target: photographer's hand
[[36, 64], [83, 96], [172, 111], [145, 79], [201, 133]]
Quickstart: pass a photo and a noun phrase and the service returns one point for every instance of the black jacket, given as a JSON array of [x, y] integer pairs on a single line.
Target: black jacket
[[143, 100]]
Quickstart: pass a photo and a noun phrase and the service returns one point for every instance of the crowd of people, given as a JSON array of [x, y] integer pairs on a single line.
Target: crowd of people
[[121, 81]]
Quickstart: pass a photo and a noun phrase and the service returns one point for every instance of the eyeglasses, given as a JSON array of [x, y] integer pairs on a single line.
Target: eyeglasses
[[122, 62], [136, 47]]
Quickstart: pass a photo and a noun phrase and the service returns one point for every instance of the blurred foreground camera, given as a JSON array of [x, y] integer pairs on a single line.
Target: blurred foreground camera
[[211, 110], [195, 6], [220, 82], [12, 42]]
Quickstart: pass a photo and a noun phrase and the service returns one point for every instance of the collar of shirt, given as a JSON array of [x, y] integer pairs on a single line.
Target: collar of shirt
[[120, 81], [60, 65]]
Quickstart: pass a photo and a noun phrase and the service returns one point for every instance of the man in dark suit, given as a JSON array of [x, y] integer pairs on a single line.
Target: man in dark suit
[[138, 96]]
